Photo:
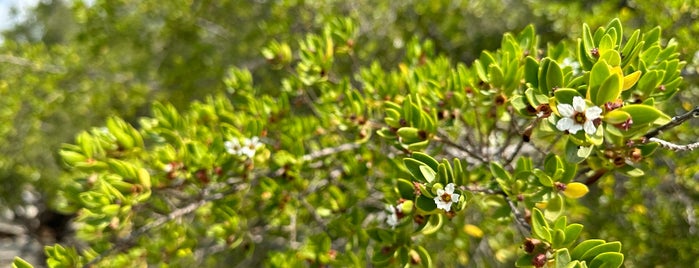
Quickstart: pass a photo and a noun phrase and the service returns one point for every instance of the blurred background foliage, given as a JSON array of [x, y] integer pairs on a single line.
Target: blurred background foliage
[[70, 65]]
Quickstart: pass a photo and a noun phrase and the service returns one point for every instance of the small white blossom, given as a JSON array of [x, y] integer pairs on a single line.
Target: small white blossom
[[248, 148], [169, 167], [445, 197], [393, 212], [578, 116], [232, 146]]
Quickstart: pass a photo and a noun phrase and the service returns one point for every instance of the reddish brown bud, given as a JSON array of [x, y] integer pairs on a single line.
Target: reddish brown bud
[[560, 186], [500, 99], [539, 260], [636, 155], [530, 244]]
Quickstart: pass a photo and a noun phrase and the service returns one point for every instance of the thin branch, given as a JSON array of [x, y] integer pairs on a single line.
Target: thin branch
[[123, 244], [595, 177], [442, 137], [676, 121], [524, 227], [49, 68], [675, 147], [330, 151], [514, 154]]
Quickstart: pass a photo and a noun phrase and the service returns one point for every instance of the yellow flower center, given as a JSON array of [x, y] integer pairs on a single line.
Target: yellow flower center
[[446, 197], [579, 118]]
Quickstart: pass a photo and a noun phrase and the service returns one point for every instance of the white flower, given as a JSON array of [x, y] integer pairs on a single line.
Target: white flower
[[248, 148], [232, 146], [169, 167], [445, 197], [393, 212], [578, 116]]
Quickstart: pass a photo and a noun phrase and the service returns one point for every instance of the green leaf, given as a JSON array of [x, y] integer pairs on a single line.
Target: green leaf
[[576, 153], [649, 81], [608, 260], [560, 223], [382, 257], [449, 172], [426, 159], [414, 168], [566, 95], [496, 76], [609, 90], [616, 117], [544, 178], [562, 258], [425, 258], [615, 24], [427, 173], [587, 40], [598, 75], [524, 261], [584, 57], [425, 204], [20, 263], [459, 174], [554, 207], [558, 237], [540, 227], [406, 189], [499, 172], [606, 44], [554, 77], [651, 37], [612, 57], [583, 247], [599, 249], [434, 223], [572, 232], [531, 71], [643, 114]]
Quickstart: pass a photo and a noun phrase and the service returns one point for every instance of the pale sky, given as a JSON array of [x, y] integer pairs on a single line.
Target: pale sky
[[5, 20]]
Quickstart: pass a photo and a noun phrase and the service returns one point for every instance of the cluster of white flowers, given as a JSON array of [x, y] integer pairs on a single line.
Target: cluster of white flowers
[[578, 116], [248, 148], [445, 197]]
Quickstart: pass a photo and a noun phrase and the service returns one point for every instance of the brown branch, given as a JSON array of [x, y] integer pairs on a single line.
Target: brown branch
[[676, 121], [123, 244]]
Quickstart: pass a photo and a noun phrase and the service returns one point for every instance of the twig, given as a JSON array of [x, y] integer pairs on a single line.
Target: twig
[[329, 151], [443, 138], [524, 227], [122, 244], [49, 68], [676, 121], [675, 147], [315, 215], [595, 177]]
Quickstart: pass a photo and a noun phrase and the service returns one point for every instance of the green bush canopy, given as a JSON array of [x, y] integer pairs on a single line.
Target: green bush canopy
[[357, 133]]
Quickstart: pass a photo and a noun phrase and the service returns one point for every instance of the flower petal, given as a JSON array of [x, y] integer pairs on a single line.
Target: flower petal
[[565, 124], [593, 113], [589, 127], [450, 188], [565, 110], [579, 104], [455, 198], [575, 128]]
